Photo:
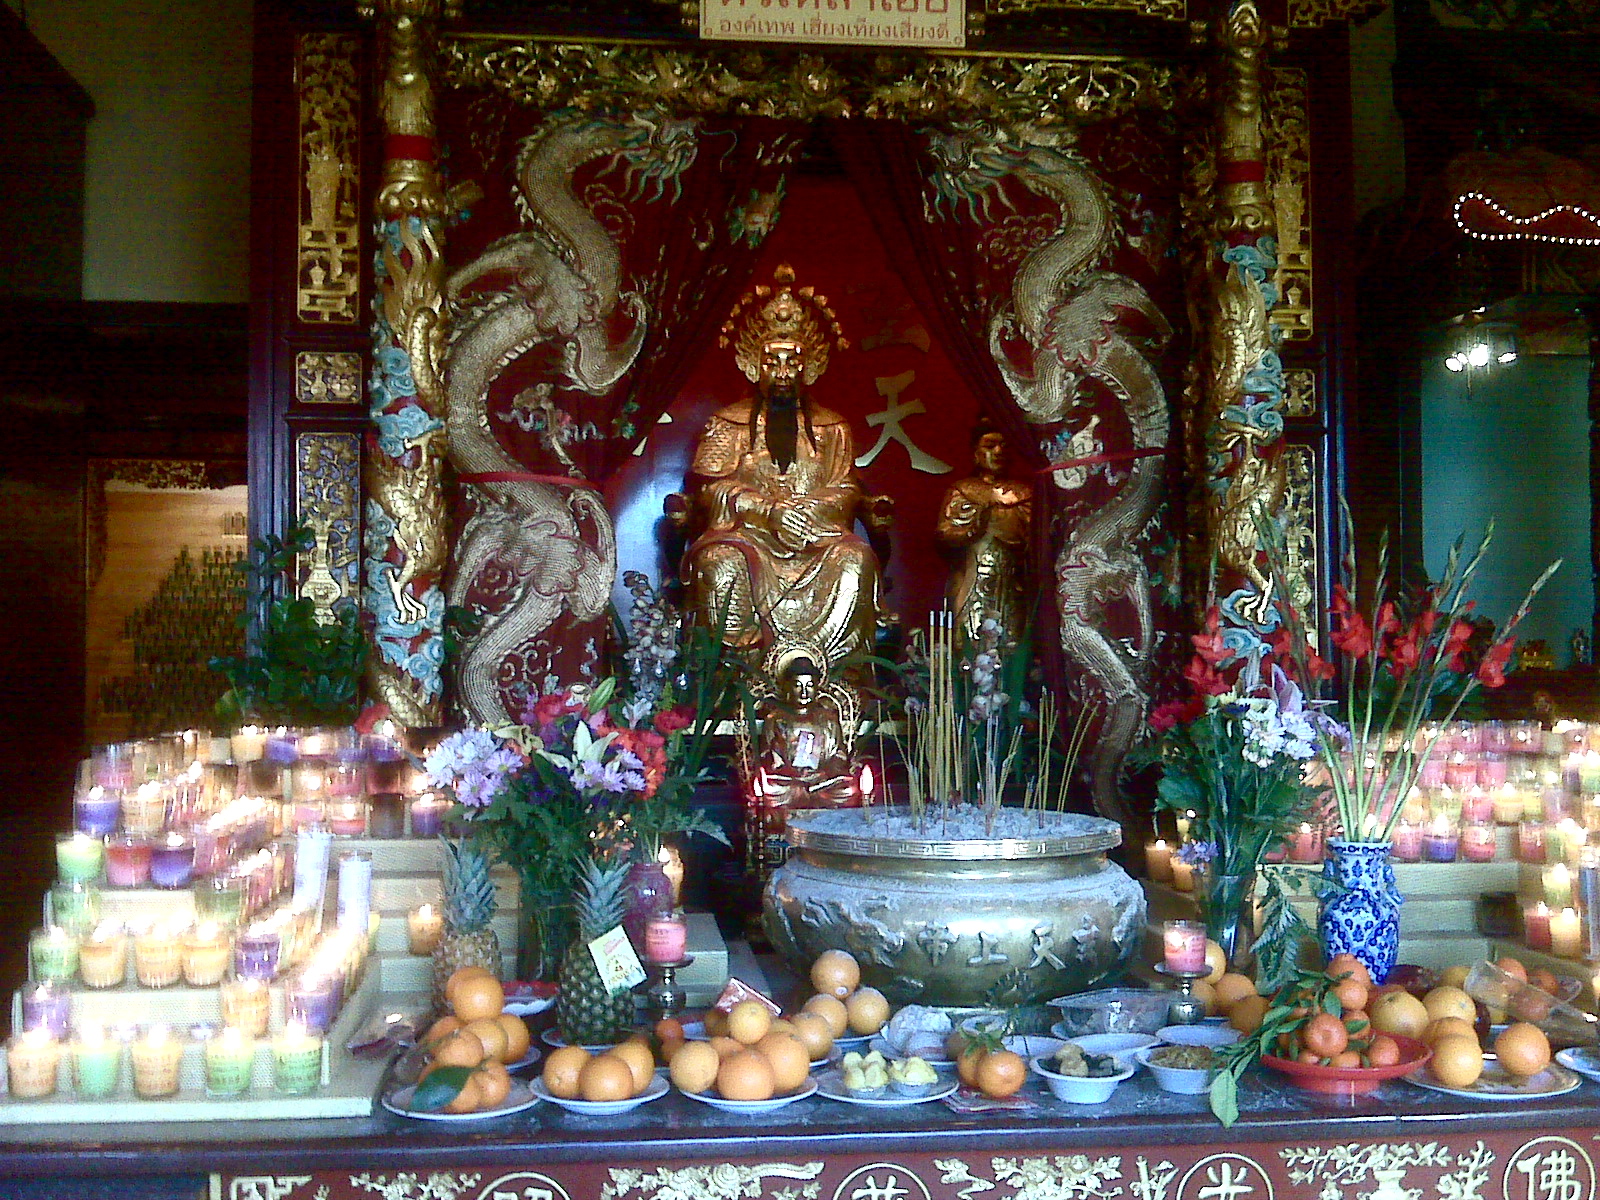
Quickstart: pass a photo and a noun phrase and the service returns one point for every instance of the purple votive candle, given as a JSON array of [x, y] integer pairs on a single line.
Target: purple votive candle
[[282, 746], [96, 811], [427, 816], [313, 1000], [127, 860], [1440, 842], [172, 861], [47, 1006], [255, 953]]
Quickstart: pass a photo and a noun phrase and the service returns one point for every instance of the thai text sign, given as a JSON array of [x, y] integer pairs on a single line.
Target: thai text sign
[[922, 23]]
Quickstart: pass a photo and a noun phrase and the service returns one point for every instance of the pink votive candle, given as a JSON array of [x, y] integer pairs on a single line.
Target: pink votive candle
[[666, 939], [1183, 946], [1478, 842], [1305, 844], [1407, 844], [1536, 926]]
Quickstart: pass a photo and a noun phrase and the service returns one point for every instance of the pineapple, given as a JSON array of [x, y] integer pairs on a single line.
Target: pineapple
[[586, 1013], [469, 940]]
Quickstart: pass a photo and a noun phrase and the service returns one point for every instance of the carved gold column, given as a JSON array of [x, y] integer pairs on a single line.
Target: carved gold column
[[406, 543], [1242, 407]]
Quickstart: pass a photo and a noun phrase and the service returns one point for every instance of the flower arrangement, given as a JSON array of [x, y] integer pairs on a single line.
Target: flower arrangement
[[1402, 657]]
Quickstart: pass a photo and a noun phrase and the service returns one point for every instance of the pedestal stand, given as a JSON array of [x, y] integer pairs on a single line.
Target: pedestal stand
[[664, 998], [1186, 1008]]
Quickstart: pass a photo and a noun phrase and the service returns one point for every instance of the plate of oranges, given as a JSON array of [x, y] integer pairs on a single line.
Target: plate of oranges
[[517, 1098], [467, 1054], [615, 1080]]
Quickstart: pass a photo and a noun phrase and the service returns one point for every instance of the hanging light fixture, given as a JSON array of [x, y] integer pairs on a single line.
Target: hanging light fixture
[[1476, 346]]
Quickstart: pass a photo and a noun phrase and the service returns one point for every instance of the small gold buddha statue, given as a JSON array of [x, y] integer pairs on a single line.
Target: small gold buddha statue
[[985, 519], [774, 493]]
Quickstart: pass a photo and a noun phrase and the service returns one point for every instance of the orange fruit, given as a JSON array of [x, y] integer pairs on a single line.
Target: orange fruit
[[1348, 964], [967, 1064], [1545, 980], [814, 1033], [835, 973], [1401, 1013], [830, 1010], [1325, 1035], [1384, 1051], [1207, 995], [469, 1098], [788, 1058], [746, 1076], [605, 1077], [1457, 1062], [669, 1029], [724, 1046], [479, 996], [1523, 1049], [455, 981], [867, 1010], [459, 1049], [561, 1071], [716, 1023], [1447, 1001], [1448, 1027], [1352, 994], [492, 1034], [1513, 967], [1247, 1012], [441, 1029], [518, 1040], [1001, 1073], [694, 1067], [641, 1061], [1217, 960], [1232, 988], [749, 1021], [1455, 977], [495, 1081]]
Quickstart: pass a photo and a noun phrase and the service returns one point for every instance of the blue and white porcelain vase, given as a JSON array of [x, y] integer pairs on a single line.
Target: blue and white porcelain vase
[[1362, 916]]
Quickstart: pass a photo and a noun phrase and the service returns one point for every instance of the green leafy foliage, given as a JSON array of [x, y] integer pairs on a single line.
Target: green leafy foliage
[[442, 1085], [295, 670]]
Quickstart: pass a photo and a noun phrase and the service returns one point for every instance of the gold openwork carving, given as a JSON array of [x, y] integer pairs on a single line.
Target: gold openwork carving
[[1303, 483], [414, 1185], [329, 273], [327, 498], [265, 1187], [799, 86], [321, 377], [159, 473], [1169, 10], [1059, 1177], [1312, 14], [1335, 1168], [724, 1181], [1299, 392], [1288, 144]]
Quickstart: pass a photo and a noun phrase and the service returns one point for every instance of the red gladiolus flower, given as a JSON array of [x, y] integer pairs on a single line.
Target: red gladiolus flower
[[1317, 666], [1350, 632], [1454, 650], [1205, 678], [1492, 670], [1177, 712], [1404, 652], [547, 710], [671, 720], [1208, 642]]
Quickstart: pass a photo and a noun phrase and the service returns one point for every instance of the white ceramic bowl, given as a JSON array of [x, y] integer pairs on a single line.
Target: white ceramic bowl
[[1078, 1089], [1184, 1081], [1118, 1045], [1032, 1045], [1199, 1035]]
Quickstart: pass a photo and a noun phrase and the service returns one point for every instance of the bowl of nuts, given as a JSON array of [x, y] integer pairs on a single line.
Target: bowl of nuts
[[1079, 1076]]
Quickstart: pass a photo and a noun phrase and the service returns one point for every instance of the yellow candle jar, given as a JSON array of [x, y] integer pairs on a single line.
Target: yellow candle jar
[[32, 1060], [246, 1005], [156, 1058], [207, 951], [424, 928], [103, 956], [157, 956]]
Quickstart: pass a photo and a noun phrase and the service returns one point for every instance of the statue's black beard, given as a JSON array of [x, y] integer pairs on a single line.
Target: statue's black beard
[[783, 426]]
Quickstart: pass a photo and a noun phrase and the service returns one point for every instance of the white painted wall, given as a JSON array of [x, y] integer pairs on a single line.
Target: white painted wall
[[167, 188]]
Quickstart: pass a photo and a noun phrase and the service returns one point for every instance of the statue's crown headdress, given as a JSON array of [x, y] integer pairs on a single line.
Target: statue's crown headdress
[[782, 313]]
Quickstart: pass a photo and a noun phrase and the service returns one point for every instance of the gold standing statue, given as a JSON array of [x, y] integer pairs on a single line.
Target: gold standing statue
[[986, 519], [775, 493]]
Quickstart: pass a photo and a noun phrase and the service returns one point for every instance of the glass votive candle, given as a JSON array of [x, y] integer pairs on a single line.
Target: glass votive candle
[[1566, 934], [219, 898], [157, 955], [53, 955], [1445, 802], [347, 818], [1478, 842], [1530, 842], [207, 951], [111, 766], [248, 744], [1158, 861], [96, 811], [156, 1058], [1557, 881], [1492, 770], [246, 1005], [345, 780], [305, 812], [103, 956], [47, 1006], [256, 951], [75, 905], [96, 1063], [32, 1060], [1407, 842], [424, 928], [262, 778], [1432, 772], [144, 809], [1477, 806], [1440, 841], [1182, 874], [128, 860], [427, 815], [283, 745], [79, 857], [666, 938], [1507, 804], [386, 817], [172, 861], [230, 1059], [1305, 844], [1183, 946], [1536, 926], [312, 999], [296, 1060], [1460, 770]]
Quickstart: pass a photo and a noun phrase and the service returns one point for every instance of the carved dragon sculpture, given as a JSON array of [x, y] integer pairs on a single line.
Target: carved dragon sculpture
[[1074, 318], [560, 283]]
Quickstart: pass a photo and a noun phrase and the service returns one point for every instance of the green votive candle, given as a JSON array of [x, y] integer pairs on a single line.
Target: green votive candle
[[54, 955], [75, 905], [297, 1060], [96, 1063], [230, 1059], [79, 857]]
